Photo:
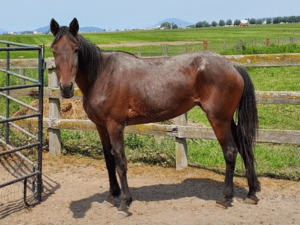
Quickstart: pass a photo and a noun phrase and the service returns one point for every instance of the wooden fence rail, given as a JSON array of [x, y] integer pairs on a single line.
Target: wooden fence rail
[[179, 131]]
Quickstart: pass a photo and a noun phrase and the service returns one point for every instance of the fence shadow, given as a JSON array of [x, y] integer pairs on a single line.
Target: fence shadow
[[206, 189], [11, 197], [49, 187]]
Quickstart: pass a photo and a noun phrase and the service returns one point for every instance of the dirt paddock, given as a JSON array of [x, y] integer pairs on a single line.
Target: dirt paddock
[[161, 196]]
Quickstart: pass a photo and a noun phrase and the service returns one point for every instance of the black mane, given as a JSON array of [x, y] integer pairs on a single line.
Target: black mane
[[89, 59]]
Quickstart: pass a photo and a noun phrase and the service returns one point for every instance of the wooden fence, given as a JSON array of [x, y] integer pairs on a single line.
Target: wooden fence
[[179, 130]]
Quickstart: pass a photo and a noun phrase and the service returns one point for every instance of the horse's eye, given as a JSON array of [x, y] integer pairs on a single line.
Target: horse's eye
[[76, 50]]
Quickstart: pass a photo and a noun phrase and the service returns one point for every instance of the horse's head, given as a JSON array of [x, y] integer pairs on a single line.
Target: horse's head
[[65, 49]]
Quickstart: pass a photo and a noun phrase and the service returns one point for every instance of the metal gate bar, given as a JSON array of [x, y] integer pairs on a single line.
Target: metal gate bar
[[37, 168]]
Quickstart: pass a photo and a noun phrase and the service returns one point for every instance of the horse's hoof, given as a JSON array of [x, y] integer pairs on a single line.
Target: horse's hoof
[[119, 215], [253, 200], [223, 204]]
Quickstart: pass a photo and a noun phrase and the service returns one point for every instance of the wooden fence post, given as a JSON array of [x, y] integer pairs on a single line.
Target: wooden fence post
[[224, 46], [291, 40], [165, 50], [181, 145], [54, 113], [240, 45], [22, 72], [268, 42], [205, 45]]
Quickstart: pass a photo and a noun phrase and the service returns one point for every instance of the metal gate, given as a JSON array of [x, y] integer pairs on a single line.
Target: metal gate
[[13, 150]]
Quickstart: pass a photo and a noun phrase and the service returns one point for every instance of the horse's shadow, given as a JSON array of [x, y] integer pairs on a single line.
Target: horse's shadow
[[205, 189]]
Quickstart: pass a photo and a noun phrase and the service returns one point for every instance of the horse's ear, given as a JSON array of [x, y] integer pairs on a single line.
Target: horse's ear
[[74, 27], [54, 27]]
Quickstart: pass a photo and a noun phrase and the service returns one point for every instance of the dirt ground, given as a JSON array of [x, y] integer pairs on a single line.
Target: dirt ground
[[78, 186]]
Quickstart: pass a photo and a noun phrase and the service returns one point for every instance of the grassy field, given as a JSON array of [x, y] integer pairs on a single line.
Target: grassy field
[[276, 160], [217, 37]]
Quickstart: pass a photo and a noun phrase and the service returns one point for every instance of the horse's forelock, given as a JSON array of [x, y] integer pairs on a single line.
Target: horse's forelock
[[61, 32]]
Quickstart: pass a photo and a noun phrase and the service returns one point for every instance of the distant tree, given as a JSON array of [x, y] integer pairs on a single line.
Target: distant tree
[[277, 20], [259, 21], [298, 19], [284, 19], [221, 23], [236, 22], [269, 20], [199, 24], [214, 23], [206, 24], [174, 26], [166, 25], [252, 21], [292, 19], [229, 22]]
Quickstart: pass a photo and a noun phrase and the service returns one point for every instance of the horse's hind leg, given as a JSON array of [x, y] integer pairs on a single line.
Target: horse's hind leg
[[254, 185], [222, 129], [114, 190]]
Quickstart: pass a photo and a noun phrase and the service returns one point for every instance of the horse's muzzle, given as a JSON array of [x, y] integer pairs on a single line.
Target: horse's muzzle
[[67, 91]]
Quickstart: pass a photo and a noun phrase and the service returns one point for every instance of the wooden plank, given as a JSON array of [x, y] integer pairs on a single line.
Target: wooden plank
[[264, 135], [27, 63], [278, 97], [20, 63], [191, 132], [279, 136], [291, 59]]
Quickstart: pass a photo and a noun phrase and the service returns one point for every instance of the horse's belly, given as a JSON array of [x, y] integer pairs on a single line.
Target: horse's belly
[[138, 116]]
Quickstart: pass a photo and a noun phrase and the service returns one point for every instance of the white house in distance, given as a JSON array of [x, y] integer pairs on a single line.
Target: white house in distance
[[244, 23]]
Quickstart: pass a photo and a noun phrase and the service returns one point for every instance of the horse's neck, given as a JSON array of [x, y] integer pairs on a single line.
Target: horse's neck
[[83, 83]]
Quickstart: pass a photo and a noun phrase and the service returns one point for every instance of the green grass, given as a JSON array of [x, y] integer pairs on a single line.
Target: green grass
[[275, 78], [272, 49], [218, 38], [274, 160]]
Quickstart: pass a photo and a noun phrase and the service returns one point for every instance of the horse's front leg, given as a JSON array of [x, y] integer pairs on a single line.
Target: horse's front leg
[[114, 190], [116, 134]]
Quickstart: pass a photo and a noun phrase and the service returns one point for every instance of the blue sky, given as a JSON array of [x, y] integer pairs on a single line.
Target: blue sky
[[20, 15]]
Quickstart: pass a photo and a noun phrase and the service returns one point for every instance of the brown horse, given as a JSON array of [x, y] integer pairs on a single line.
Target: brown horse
[[120, 89]]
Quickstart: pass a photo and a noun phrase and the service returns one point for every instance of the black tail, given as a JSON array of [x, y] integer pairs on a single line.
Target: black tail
[[247, 128]]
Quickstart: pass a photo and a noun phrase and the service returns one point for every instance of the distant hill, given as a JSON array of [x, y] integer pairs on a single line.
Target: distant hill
[[90, 29], [2, 31], [82, 29], [43, 29], [178, 22]]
